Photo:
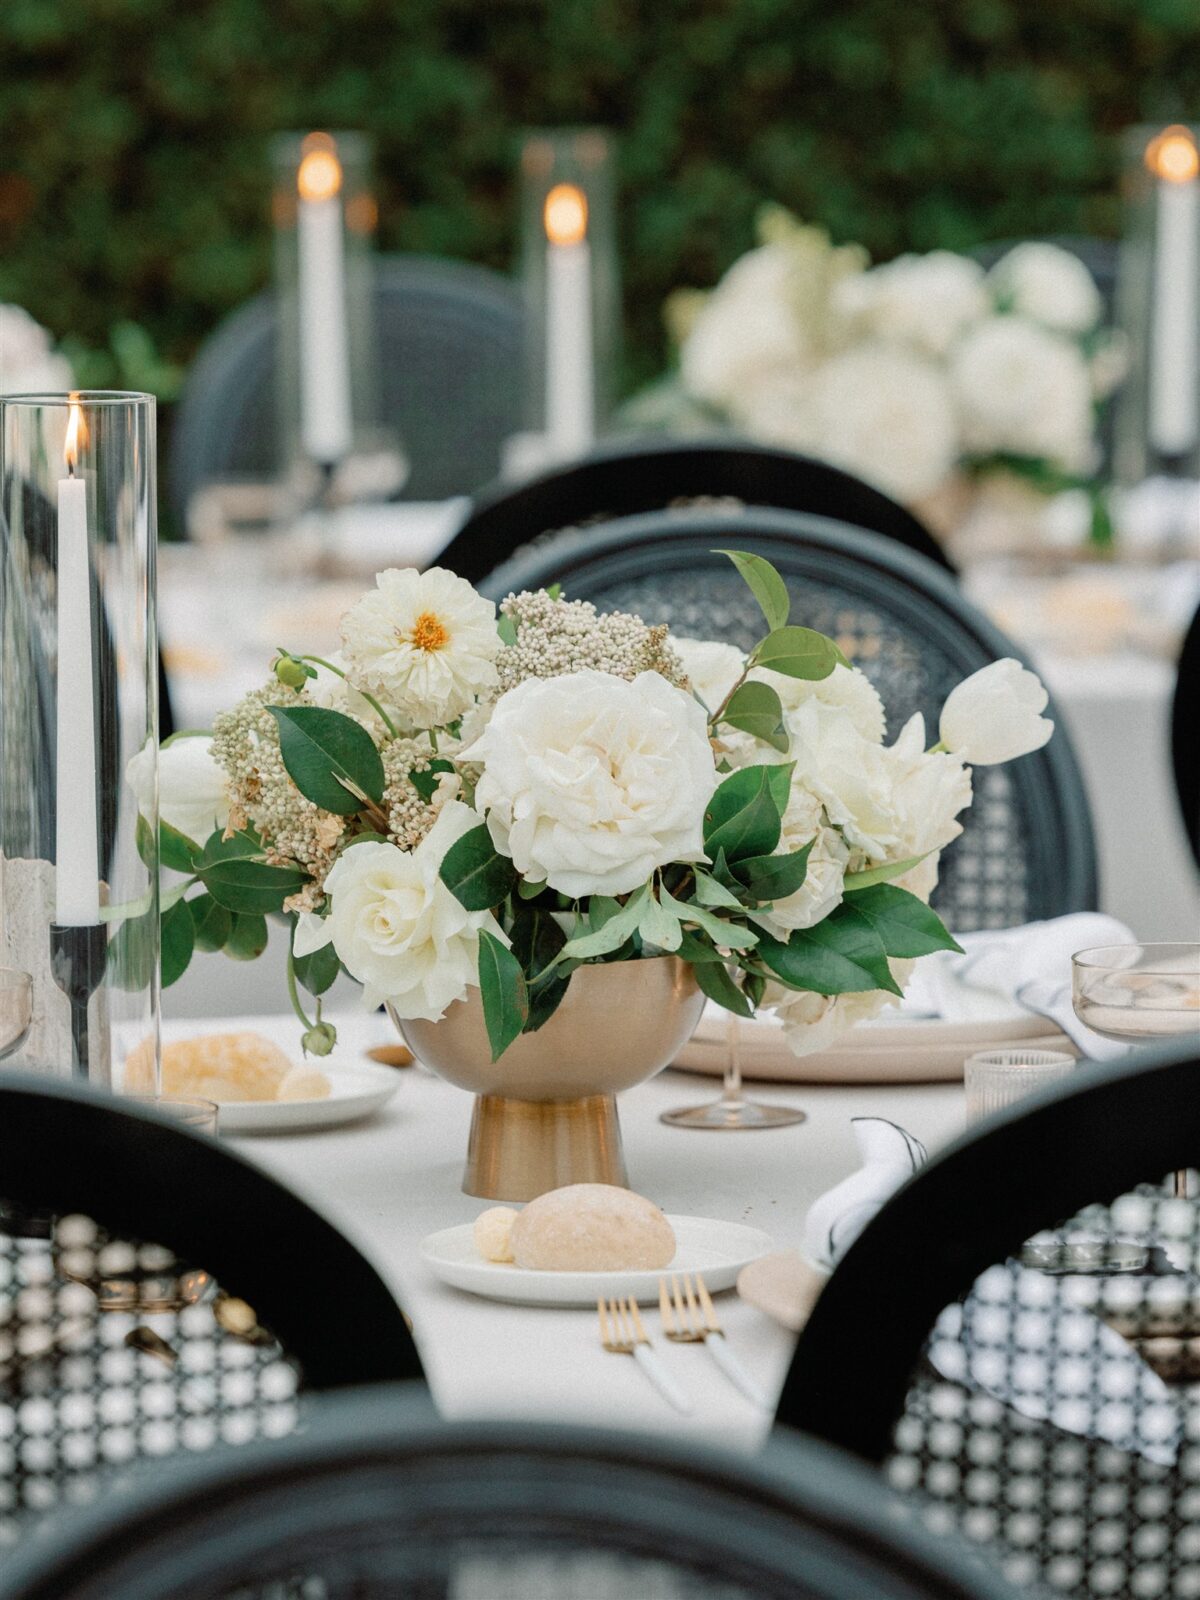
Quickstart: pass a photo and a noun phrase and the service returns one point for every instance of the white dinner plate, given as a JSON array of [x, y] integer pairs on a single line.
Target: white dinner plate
[[719, 1250], [354, 1092]]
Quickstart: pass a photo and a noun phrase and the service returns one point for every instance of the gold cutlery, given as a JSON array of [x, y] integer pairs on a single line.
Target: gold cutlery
[[689, 1317], [623, 1332]]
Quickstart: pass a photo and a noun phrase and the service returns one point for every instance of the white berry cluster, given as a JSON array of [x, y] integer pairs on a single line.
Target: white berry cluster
[[560, 636]]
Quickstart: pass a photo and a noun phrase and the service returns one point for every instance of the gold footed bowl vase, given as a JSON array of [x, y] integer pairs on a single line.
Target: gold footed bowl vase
[[546, 1112]]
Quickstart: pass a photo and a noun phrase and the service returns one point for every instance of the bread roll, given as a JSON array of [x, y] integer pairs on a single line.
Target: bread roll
[[592, 1227], [225, 1067]]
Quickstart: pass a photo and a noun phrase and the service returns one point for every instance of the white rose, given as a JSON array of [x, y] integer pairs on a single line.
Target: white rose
[[746, 328], [1048, 285], [590, 782], [396, 927], [847, 773], [928, 790], [821, 891], [923, 301], [996, 715], [883, 412], [813, 1022], [28, 363], [193, 791], [1024, 390], [424, 642], [712, 668]]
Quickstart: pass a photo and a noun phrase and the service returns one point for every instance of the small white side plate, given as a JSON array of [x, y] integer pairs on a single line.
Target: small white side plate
[[354, 1092], [719, 1250]]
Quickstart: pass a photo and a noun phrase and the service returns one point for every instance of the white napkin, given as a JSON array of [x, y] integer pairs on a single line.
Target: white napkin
[[835, 1220], [1009, 972]]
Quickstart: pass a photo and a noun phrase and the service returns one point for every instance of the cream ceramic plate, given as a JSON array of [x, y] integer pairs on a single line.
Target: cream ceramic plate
[[898, 1050], [354, 1092], [717, 1249]]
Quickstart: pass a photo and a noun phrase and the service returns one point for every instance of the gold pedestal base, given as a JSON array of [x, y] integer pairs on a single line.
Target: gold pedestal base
[[521, 1148]]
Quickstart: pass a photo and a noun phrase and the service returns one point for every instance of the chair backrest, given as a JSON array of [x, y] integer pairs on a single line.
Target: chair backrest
[[1185, 734], [628, 476], [1012, 1402], [159, 1293], [376, 1500], [1027, 849], [449, 352]]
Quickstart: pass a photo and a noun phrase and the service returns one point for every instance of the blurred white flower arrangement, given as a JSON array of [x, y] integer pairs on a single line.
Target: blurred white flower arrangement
[[29, 364], [925, 375]]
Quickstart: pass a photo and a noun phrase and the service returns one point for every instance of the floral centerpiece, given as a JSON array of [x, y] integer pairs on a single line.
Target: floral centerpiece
[[467, 803], [948, 386]]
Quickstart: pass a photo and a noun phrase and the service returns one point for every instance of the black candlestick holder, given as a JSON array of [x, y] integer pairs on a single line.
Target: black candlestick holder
[[77, 960]]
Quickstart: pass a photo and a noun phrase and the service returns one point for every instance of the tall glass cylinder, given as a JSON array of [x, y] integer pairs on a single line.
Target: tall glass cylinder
[[79, 908], [1159, 304], [325, 215], [571, 285]]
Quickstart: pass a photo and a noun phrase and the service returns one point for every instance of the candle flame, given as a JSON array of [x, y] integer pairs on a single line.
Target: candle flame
[[320, 174], [76, 433], [565, 214], [1173, 156]]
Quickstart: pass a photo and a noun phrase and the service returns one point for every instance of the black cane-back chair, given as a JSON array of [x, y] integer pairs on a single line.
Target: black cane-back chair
[[1016, 1335], [159, 1295], [1027, 850], [1185, 734], [449, 353], [629, 476], [377, 1501]]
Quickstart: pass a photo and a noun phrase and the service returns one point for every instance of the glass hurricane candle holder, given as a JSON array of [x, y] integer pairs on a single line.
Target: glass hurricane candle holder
[[335, 447], [569, 266], [1158, 417], [78, 727]]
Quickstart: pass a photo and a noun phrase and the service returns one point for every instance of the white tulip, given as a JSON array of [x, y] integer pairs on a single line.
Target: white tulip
[[995, 715], [193, 791]]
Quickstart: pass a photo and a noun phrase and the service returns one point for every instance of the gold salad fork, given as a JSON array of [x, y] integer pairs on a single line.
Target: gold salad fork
[[624, 1333], [689, 1317]]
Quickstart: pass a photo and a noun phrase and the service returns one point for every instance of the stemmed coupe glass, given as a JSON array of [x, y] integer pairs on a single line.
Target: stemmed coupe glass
[[733, 1110]]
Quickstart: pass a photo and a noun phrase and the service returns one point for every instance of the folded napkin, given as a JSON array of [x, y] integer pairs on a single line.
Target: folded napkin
[[1010, 972], [889, 1156]]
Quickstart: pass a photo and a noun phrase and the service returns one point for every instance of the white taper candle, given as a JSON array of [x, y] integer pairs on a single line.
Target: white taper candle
[[570, 376], [1174, 418], [326, 417]]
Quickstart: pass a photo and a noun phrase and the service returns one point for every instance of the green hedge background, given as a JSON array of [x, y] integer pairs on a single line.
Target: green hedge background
[[133, 170]]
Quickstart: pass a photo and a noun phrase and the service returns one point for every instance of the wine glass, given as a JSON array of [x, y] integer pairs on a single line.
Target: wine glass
[[16, 1009], [1135, 992], [733, 1110]]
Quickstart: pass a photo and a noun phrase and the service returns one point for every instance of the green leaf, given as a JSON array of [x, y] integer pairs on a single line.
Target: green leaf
[[612, 933], [779, 781], [178, 942], [130, 960], [770, 878], [754, 986], [764, 583], [659, 926], [144, 839], [544, 1001], [426, 781], [756, 709], [709, 892], [529, 891], [248, 938], [245, 845], [743, 816], [213, 923], [854, 882], [729, 934], [536, 940], [475, 872], [714, 979], [798, 653], [175, 849], [317, 972], [251, 886], [905, 925], [330, 758], [507, 629], [834, 957], [696, 950], [505, 997]]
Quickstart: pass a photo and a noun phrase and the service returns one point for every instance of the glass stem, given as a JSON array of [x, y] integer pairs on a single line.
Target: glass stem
[[731, 1093]]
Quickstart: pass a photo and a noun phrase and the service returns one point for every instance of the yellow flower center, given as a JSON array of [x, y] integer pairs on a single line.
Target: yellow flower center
[[428, 633]]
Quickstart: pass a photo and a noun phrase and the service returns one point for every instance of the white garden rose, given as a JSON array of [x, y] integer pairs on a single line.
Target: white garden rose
[[746, 328], [928, 790], [1048, 285], [424, 642], [193, 791], [885, 413], [923, 301], [813, 1022], [591, 781], [847, 773], [996, 714], [821, 891], [712, 668], [396, 927], [1023, 390]]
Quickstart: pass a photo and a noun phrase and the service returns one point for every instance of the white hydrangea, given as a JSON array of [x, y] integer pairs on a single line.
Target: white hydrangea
[[1048, 285], [1023, 390], [920, 300]]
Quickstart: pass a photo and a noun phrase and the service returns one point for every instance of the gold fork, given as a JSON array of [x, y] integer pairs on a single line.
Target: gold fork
[[689, 1317], [624, 1333]]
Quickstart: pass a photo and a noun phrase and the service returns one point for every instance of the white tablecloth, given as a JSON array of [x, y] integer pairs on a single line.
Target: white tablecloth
[[390, 1181]]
